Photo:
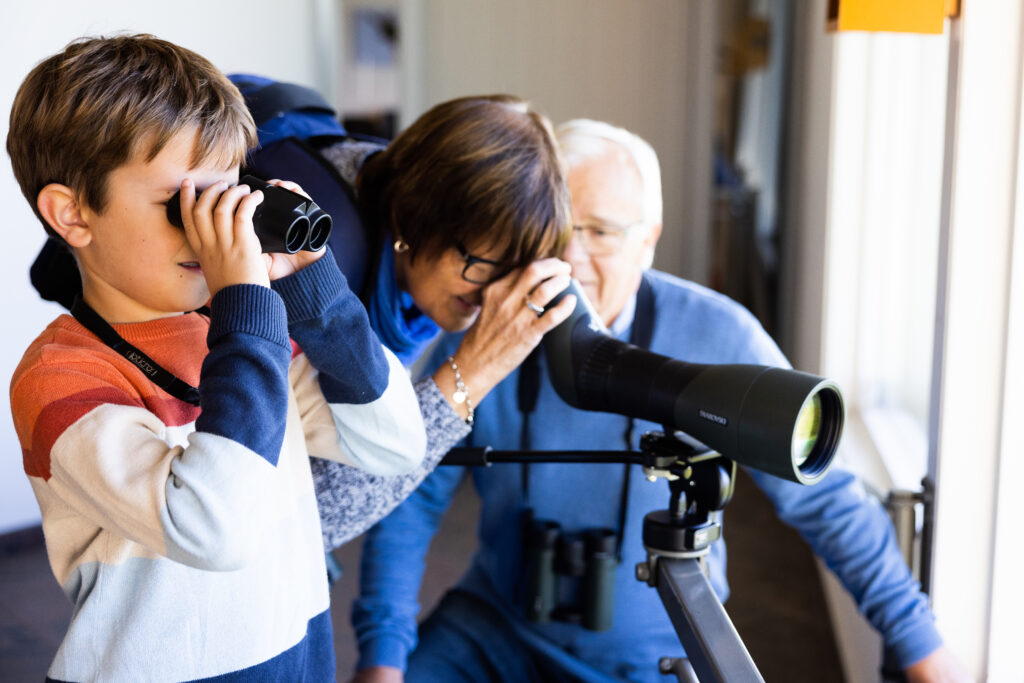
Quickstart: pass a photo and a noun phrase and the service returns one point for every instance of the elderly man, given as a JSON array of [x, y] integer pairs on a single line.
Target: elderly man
[[481, 631]]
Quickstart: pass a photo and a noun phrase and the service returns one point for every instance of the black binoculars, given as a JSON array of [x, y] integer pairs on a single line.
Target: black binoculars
[[285, 222], [588, 555]]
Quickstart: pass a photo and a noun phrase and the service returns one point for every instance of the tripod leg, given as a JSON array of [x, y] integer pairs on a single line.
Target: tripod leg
[[711, 642]]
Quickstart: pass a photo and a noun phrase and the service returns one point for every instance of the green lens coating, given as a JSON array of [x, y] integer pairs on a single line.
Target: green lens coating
[[808, 427]]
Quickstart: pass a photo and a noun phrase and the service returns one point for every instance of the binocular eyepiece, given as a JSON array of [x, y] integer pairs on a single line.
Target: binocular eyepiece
[[285, 221]]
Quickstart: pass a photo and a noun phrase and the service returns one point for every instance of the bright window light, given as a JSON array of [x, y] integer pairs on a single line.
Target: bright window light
[[886, 198]]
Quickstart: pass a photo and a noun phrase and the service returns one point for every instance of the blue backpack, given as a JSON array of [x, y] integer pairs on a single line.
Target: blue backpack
[[293, 124]]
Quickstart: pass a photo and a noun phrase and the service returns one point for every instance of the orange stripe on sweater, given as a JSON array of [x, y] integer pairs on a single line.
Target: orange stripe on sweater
[[67, 372]]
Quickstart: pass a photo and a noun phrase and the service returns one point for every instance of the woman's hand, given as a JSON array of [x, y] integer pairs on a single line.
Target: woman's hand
[[507, 329], [282, 265]]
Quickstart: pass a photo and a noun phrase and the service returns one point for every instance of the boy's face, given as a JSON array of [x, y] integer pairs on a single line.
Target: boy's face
[[137, 266]]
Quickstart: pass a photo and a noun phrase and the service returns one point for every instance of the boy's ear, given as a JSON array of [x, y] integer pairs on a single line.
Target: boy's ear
[[60, 208]]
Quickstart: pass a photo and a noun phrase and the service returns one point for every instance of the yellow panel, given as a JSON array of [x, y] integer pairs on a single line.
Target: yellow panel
[[901, 16]]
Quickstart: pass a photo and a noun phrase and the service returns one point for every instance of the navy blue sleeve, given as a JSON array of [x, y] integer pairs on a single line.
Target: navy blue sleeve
[[330, 325], [244, 382]]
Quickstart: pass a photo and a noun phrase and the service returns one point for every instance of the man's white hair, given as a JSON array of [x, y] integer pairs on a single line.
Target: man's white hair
[[584, 139]]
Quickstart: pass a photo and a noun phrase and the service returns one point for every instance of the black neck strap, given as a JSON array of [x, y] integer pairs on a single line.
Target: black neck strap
[[92, 321], [528, 388]]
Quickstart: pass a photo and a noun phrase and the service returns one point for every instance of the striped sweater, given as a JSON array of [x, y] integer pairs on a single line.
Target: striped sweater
[[187, 537]]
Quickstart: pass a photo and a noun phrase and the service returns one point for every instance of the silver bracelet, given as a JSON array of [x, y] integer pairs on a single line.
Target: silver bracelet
[[461, 395]]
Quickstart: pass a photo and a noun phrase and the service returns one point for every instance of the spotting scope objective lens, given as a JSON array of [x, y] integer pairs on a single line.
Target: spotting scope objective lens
[[805, 433], [817, 430]]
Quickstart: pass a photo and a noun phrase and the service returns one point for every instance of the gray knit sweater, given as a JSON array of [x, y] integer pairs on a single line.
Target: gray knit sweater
[[350, 500]]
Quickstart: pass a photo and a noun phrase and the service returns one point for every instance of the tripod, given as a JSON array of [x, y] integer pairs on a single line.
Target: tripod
[[676, 539]]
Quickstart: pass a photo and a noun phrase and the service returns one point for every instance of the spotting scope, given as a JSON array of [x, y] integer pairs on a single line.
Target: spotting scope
[[781, 421]]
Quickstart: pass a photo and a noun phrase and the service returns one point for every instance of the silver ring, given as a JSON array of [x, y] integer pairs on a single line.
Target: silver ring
[[532, 306]]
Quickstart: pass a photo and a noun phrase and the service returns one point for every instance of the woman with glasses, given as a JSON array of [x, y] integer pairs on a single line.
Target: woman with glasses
[[464, 212]]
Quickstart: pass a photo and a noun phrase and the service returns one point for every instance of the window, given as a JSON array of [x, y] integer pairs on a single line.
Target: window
[[905, 252], [884, 209]]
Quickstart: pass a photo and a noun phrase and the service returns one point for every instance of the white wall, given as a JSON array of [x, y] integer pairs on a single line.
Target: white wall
[[259, 36], [647, 66]]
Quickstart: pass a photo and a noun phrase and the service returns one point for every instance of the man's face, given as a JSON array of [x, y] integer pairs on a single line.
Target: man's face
[[607, 204]]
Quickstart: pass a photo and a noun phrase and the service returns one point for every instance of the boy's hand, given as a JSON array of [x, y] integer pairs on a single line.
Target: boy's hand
[[282, 265], [218, 226]]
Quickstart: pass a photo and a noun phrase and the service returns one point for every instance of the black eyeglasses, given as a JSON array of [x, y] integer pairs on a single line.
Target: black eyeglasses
[[479, 270]]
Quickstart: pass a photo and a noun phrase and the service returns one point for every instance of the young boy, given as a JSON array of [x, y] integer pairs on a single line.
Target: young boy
[[169, 451]]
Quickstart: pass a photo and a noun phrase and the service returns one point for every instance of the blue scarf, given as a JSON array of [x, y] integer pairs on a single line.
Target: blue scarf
[[393, 315]]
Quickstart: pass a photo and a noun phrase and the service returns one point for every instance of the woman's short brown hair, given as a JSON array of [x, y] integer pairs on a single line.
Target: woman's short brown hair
[[93, 107], [482, 172]]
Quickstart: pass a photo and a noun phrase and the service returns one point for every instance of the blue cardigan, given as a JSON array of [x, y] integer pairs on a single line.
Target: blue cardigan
[[848, 529]]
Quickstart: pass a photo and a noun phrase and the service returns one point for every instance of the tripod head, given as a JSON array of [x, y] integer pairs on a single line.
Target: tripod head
[[700, 481]]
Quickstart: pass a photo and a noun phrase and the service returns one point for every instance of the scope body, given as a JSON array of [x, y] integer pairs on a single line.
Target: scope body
[[782, 421]]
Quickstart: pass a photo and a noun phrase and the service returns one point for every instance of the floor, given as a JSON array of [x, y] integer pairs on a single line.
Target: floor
[[776, 604]]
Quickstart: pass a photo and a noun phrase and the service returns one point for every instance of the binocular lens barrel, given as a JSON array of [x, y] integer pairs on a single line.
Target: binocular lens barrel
[[285, 221], [587, 556], [319, 228], [541, 583], [295, 238], [279, 228], [599, 580]]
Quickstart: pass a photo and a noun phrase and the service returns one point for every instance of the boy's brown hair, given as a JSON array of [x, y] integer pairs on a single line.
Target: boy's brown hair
[[87, 110], [481, 170]]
